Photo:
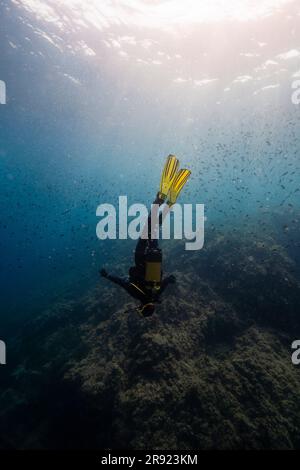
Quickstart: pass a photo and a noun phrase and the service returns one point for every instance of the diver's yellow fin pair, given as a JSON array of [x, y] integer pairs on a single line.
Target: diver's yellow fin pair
[[180, 179], [168, 176], [172, 180]]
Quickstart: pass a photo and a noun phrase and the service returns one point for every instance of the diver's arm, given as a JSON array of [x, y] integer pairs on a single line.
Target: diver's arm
[[166, 281], [115, 279], [130, 288]]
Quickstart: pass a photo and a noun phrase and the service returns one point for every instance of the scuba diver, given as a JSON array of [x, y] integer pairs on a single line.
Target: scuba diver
[[146, 282]]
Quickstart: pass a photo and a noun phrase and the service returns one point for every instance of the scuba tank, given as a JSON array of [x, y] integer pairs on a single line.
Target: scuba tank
[[153, 272]]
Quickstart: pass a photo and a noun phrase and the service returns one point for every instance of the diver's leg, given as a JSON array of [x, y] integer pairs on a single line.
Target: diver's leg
[[149, 237], [139, 253], [154, 221], [142, 245]]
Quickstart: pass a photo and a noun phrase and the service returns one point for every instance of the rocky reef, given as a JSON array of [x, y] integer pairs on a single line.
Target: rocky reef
[[210, 370]]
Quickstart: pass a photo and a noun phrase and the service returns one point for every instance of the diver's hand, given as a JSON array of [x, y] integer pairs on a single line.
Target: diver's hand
[[172, 279], [103, 272]]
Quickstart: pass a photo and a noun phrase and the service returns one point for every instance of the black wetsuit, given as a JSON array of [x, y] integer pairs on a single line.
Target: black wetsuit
[[135, 284]]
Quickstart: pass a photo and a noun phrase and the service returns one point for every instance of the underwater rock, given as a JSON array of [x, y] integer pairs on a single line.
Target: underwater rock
[[210, 370]]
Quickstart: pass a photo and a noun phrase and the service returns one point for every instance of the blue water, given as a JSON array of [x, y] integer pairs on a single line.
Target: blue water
[[67, 147]]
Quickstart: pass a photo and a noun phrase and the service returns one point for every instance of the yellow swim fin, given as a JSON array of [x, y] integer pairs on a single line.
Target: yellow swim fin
[[181, 178], [168, 176]]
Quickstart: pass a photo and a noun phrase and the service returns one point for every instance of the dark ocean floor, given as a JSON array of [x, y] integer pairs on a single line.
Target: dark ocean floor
[[210, 370]]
